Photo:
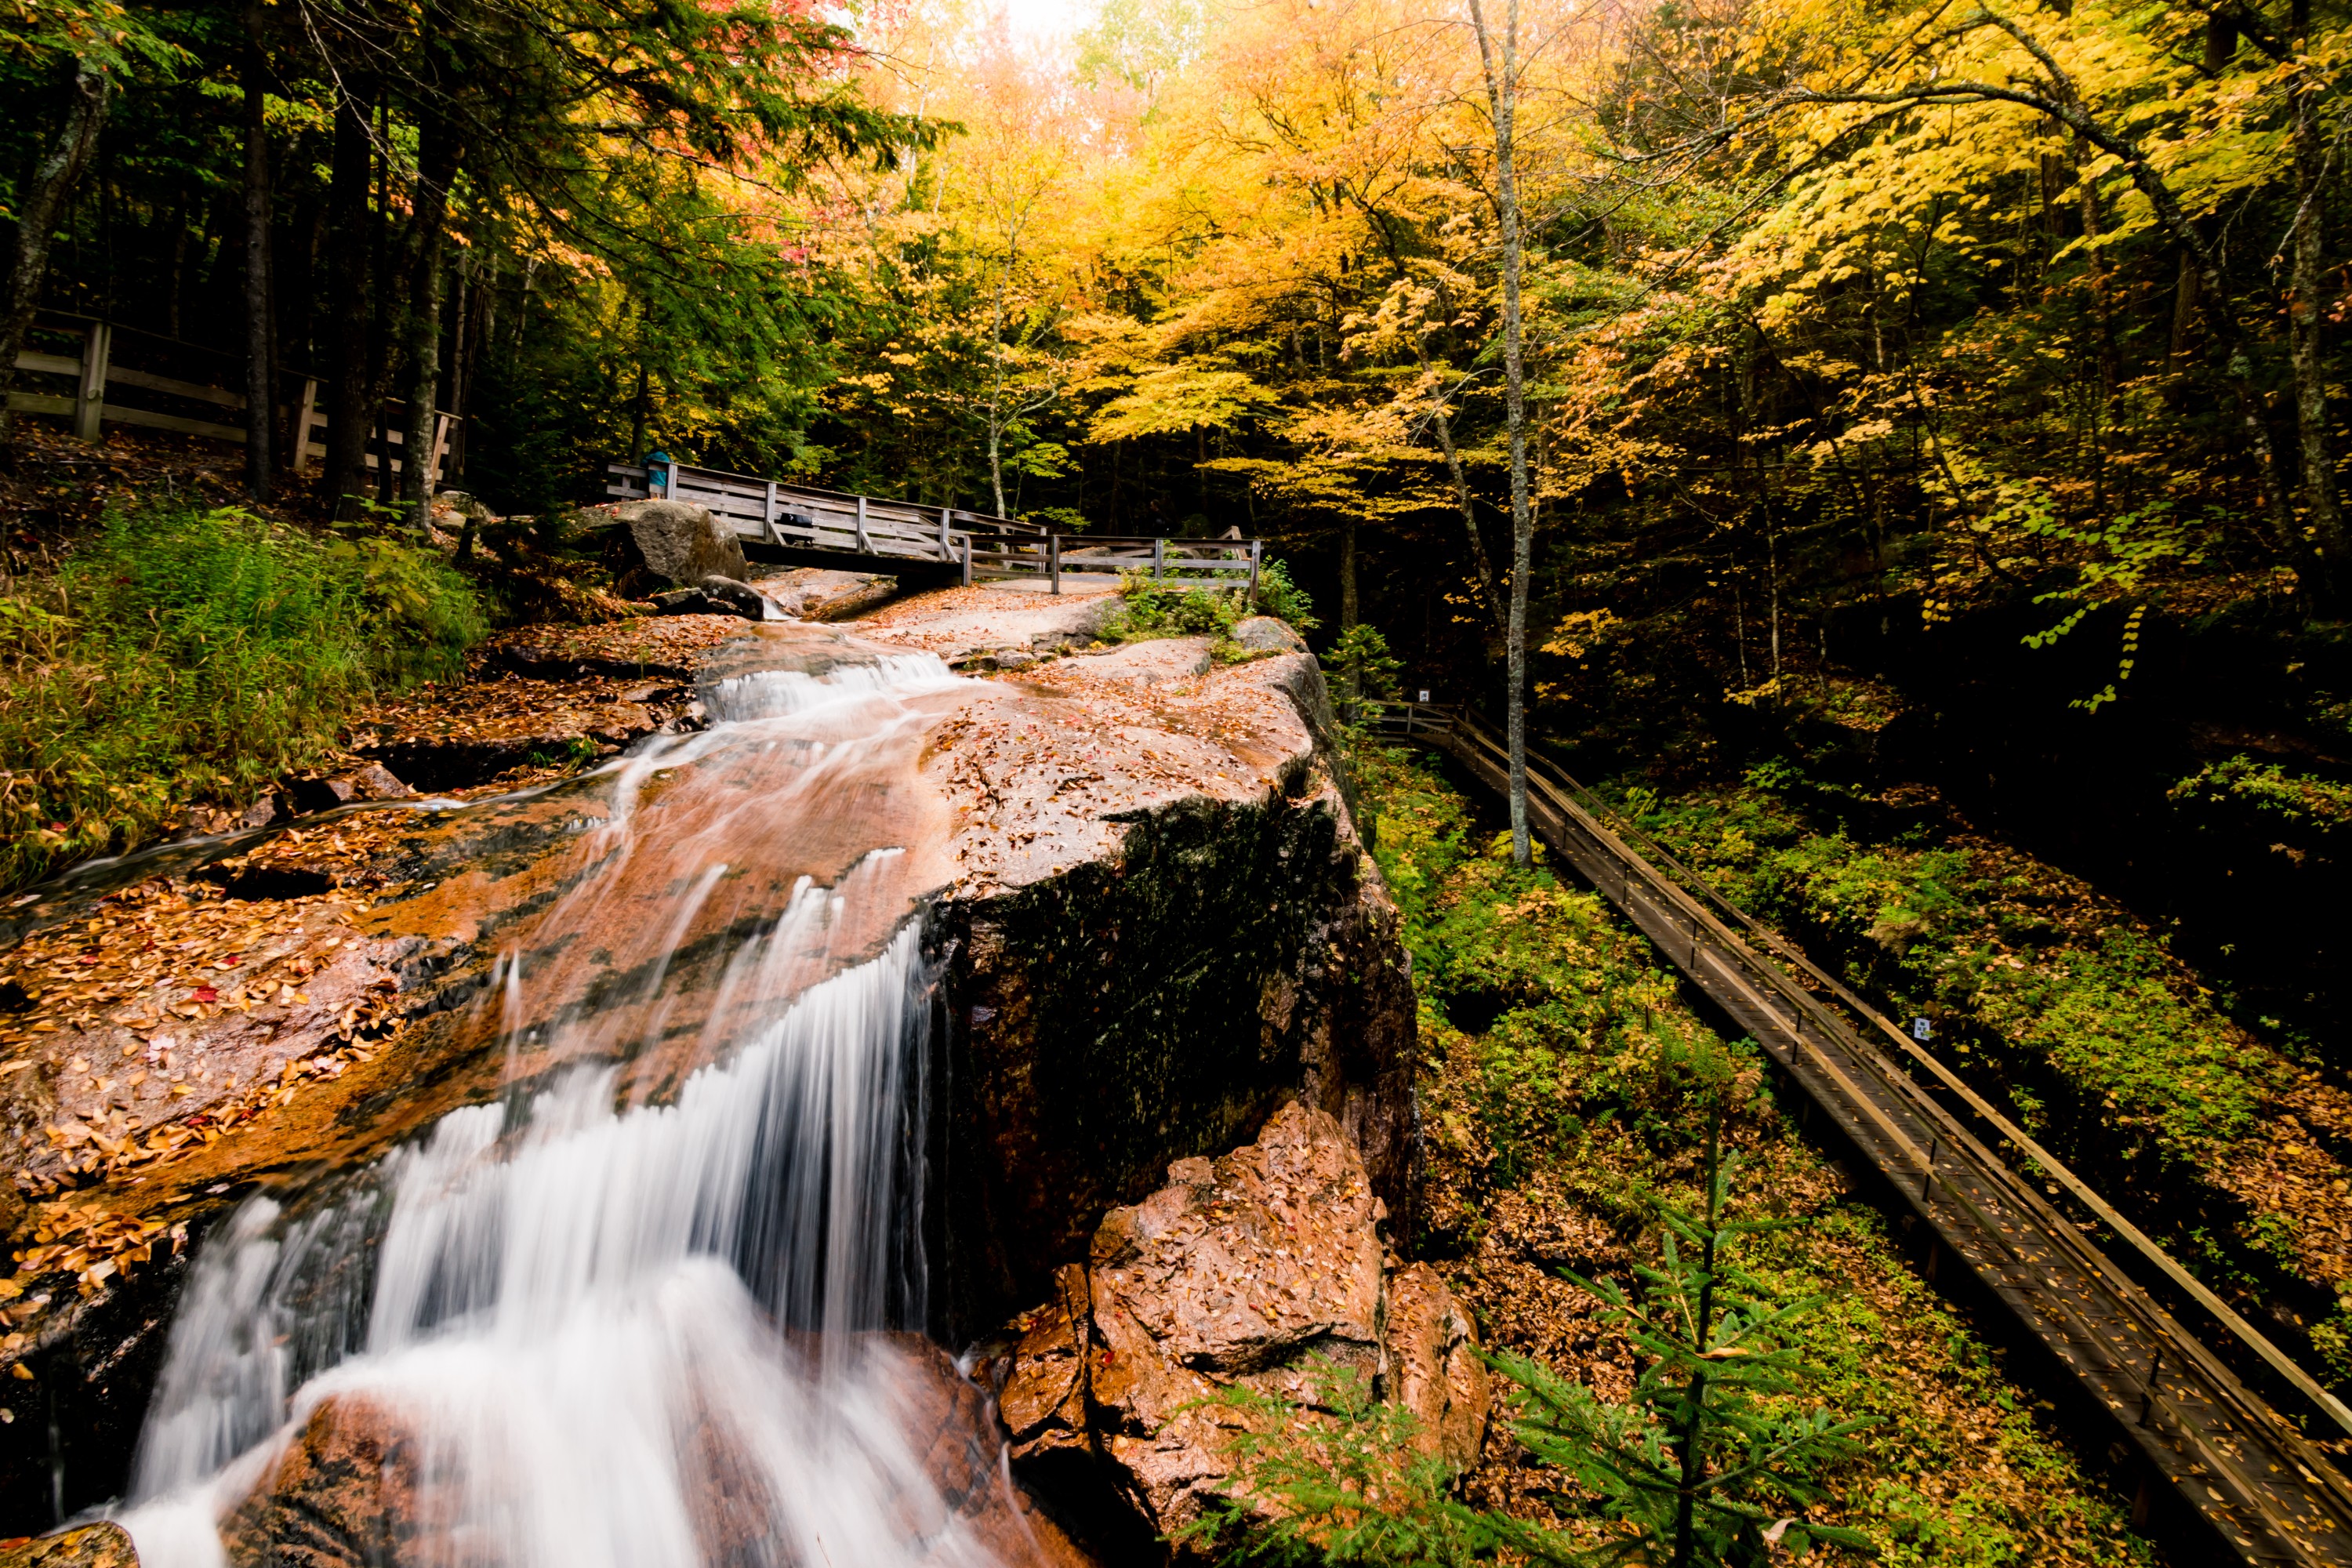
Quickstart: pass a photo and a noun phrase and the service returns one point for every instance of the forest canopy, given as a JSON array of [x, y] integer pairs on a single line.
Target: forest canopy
[[1826, 310]]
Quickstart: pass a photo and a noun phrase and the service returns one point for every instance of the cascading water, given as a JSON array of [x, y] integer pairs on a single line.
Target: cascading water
[[626, 1317]]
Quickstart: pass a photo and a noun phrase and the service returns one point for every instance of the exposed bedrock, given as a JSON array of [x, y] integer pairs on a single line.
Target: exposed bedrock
[[1264, 1271], [1152, 920]]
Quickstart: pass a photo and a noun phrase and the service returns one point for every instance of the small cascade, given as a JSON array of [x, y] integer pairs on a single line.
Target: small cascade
[[626, 1317]]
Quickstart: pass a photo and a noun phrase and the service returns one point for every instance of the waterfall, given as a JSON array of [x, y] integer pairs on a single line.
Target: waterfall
[[596, 1326]]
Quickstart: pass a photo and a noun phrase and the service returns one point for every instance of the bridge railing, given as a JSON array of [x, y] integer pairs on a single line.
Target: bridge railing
[[1177, 563], [801, 515], [985, 546], [1384, 717]]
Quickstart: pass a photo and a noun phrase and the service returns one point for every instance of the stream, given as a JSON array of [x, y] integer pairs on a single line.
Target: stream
[[662, 1301]]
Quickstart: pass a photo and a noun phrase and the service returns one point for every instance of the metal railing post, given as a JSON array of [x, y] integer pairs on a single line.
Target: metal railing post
[[91, 406]]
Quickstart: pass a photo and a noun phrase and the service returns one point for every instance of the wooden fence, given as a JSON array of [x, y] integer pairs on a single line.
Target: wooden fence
[[122, 375]]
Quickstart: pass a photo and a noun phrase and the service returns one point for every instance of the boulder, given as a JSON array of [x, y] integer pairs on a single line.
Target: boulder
[[353, 1488], [682, 543], [721, 597], [344, 1494], [742, 598], [102, 1545], [1264, 634], [369, 781], [1264, 1269]]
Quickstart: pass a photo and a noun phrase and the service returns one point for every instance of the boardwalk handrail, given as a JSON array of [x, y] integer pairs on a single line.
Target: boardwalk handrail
[[2279, 1484], [881, 531], [2047, 1163]]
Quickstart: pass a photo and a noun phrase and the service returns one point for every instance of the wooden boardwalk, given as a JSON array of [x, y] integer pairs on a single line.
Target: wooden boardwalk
[[797, 525], [2269, 1493]]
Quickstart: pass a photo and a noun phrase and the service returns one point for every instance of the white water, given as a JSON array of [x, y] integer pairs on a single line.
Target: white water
[[583, 1314]]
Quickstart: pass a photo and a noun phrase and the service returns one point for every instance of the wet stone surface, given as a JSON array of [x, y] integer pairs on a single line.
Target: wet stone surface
[[1150, 916]]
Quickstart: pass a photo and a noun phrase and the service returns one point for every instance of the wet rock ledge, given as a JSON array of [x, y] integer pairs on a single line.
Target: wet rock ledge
[[1154, 927]]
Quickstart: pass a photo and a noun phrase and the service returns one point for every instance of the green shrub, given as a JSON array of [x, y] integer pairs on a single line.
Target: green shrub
[[185, 657], [1360, 664], [1718, 1458], [1283, 599]]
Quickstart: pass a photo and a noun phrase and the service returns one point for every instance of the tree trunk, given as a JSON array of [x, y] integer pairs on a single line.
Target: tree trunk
[[1347, 578], [1502, 97], [437, 166], [1479, 556], [43, 199], [380, 344], [2307, 327], [350, 417], [260, 365]]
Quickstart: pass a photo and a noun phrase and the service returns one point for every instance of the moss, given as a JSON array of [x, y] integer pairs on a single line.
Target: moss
[[1136, 1010], [1566, 1084], [2096, 1013]]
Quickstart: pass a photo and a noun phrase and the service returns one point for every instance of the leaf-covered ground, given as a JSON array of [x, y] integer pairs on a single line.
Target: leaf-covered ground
[[1563, 1090]]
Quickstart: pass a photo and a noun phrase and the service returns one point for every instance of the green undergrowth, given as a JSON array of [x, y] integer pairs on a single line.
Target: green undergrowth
[[183, 657], [1567, 1094], [1993, 955], [1145, 611], [2105, 1048]]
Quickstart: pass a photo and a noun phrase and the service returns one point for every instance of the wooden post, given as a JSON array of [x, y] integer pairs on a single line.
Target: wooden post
[[90, 407], [967, 560], [1256, 547], [1053, 559], [302, 423], [441, 423], [947, 545], [865, 545], [768, 518], [1159, 559]]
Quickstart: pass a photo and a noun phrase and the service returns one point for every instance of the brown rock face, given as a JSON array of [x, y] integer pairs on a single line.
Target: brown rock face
[[343, 1495], [1162, 925], [1152, 920], [84, 1546], [1262, 1269]]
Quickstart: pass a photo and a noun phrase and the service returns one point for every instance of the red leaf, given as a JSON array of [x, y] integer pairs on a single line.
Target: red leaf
[[205, 994]]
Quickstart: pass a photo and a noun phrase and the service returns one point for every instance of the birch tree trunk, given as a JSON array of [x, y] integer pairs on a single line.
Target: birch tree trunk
[[44, 198], [1501, 69]]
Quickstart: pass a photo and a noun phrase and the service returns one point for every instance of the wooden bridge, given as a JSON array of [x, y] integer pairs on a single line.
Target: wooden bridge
[[794, 525], [2268, 1493]]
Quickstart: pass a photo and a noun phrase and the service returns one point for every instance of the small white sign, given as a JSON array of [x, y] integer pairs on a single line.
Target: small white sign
[[1919, 1030], [1424, 697]]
